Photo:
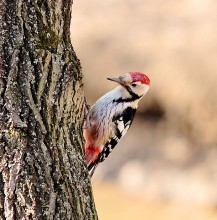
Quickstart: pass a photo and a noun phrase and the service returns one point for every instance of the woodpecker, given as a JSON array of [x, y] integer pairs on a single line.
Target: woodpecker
[[111, 116]]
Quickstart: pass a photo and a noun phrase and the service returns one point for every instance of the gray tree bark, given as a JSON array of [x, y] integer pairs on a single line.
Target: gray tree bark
[[43, 173]]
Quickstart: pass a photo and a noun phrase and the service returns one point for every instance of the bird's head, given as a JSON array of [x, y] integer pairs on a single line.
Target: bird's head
[[136, 82]]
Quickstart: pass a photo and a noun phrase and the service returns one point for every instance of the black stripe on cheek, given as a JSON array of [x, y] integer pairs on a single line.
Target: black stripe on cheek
[[134, 95]]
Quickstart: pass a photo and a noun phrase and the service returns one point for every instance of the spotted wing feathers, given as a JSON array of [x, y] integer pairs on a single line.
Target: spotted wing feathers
[[121, 123]]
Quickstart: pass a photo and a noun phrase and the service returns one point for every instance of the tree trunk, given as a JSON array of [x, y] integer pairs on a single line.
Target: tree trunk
[[43, 173]]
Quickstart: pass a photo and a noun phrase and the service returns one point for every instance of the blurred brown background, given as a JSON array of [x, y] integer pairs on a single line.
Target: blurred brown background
[[165, 167]]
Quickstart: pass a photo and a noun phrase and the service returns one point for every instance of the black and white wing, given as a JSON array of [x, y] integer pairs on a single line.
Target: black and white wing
[[122, 123]]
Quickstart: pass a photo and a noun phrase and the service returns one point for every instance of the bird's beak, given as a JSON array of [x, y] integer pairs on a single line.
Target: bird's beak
[[118, 80]]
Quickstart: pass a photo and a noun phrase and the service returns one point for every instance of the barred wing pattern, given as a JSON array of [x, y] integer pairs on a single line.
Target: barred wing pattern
[[122, 123]]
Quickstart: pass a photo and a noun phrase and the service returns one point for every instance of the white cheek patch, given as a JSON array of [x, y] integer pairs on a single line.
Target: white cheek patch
[[142, 89], [146, 89]]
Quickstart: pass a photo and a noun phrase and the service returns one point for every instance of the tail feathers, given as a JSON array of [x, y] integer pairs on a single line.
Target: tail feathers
[[91, 168]]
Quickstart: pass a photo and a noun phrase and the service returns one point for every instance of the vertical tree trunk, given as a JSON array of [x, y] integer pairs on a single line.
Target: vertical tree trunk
[[43, 173]]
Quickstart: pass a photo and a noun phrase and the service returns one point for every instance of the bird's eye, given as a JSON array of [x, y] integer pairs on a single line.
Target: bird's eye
[[134, 84]]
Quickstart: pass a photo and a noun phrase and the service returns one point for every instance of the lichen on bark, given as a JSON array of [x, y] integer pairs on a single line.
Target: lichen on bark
[[48, 39], [43, 174]]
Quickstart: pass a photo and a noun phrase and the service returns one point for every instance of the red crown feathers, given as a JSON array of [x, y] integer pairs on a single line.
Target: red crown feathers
[[140, 77]]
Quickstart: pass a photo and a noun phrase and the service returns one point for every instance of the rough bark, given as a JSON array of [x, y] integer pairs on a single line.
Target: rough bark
[[43, 174]]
